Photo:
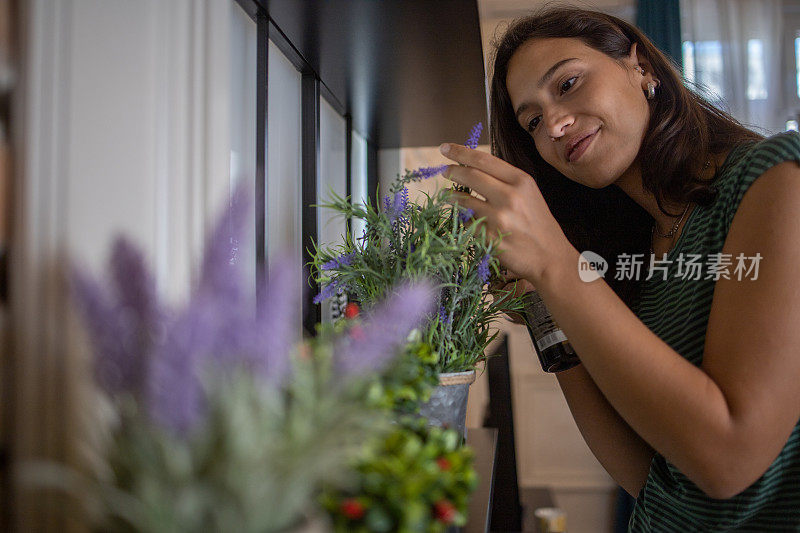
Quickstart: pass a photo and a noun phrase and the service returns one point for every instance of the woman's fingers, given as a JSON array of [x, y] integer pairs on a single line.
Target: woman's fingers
[[478, 207], [487, 186], [483, 161]]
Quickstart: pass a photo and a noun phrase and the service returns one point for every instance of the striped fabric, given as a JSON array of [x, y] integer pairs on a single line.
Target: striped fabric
[[677, 309]]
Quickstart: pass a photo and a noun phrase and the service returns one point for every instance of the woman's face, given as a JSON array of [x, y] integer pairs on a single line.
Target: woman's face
[[593, 105]]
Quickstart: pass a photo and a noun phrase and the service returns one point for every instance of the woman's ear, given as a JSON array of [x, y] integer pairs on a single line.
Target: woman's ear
[[641, 64], [633, 57]]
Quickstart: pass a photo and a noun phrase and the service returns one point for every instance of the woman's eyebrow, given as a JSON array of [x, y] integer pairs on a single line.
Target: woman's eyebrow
[[552, 70], [547, 75]]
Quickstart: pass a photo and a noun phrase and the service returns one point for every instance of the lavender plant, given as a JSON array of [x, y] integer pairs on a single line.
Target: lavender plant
[[224, 420], [431, 240]]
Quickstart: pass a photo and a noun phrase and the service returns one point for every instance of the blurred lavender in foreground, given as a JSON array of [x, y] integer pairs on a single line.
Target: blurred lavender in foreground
[[162, 357], [124, 319], [368, 347]]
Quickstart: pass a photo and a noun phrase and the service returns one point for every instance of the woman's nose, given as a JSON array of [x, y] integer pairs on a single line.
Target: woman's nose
[[557, 121]]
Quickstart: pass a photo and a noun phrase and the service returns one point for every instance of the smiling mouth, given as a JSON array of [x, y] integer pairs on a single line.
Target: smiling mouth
[[577, 149]]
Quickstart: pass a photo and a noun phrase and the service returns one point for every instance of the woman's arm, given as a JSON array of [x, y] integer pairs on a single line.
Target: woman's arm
[[724, 423], [624, 455]]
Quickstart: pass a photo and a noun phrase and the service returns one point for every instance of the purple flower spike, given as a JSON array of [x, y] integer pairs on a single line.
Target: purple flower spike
[[123, 324], [338, 262], [465, 214], [221, 271], [443, 318], [370, 346], [396, 206], [276, 321], [174, 388], [474, 135], [330, 265], [483, 268], [429, 172], [328, 291], [400, 201], [115, 363]]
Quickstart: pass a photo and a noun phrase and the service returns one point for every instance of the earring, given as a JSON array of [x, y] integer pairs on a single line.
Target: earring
[[651, 90], [639, 69]]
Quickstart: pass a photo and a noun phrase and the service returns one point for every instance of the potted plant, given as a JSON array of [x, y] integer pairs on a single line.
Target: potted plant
[[219, 418], [414, 478], [433, 240]]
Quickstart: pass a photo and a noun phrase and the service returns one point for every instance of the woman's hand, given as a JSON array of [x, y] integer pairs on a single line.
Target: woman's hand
[[510, 286], [532, 241]]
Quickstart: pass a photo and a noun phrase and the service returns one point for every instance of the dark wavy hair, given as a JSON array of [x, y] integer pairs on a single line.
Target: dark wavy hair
[[683, 131]]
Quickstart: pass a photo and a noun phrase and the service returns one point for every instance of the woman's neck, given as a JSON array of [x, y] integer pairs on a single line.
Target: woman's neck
[[631, 184]]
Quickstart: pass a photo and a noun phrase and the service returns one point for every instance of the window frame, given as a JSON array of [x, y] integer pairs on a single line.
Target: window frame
[[312, 89]]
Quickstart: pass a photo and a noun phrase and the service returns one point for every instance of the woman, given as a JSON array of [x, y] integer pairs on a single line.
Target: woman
[[688, 389]]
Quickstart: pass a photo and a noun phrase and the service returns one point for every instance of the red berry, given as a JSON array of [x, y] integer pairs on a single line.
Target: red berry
[[351, 310], [444, 511], [443, 463], [352, 509]]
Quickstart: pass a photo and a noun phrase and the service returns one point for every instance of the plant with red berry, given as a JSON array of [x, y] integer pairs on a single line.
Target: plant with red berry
[[416, 478]]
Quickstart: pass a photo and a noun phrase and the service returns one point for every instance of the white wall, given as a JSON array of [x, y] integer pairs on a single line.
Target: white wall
[[124, 128]]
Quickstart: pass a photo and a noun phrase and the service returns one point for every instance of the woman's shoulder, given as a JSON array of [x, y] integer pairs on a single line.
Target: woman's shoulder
[[745, 163], [759, 156]]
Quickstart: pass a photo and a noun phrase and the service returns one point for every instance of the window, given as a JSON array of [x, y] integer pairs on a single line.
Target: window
[[284, 199], [791, 81], [741, 56], [290, 136], [756, 78], [331, 178], [797, 64], [358, 179], [702, 62], [243, 119]]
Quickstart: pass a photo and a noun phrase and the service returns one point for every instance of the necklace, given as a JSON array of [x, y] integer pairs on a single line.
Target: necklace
[[672, 231]]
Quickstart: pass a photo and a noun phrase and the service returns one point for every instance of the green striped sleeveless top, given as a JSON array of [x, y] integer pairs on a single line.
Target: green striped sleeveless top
[[677, 309]]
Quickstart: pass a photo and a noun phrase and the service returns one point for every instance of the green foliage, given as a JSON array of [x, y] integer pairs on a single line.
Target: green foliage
[[431, 241], [416, 478], [409, 380], [257, 462]]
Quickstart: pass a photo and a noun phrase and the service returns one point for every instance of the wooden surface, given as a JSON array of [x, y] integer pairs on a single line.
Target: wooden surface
[[484, 443]]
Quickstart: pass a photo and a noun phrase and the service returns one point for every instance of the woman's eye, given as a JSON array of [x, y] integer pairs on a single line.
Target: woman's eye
[[533, 123], [566, 85]]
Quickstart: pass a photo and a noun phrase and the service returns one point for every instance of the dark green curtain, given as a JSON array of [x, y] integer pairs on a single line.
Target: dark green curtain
[[661, 21]]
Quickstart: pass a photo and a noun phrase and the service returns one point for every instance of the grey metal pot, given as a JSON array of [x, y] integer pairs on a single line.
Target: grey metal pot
[[448, 403]]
